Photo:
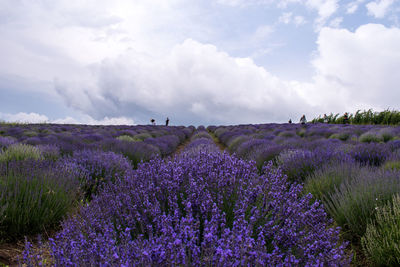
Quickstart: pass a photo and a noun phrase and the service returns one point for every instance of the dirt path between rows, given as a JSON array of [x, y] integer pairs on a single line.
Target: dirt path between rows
[[9, 253], [220, 145], [180, 148]]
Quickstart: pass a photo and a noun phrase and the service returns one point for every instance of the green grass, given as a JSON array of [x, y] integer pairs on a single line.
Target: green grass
[[34, 200], [18, 152], [128, 138], [142, 136], [352, 204], [30, 133], [392, 165], [381, 242], [386, 134], [369, 137], [323, 182], [341, 136]]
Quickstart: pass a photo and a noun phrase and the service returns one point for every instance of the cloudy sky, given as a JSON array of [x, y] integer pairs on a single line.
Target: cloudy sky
[[196, 61]]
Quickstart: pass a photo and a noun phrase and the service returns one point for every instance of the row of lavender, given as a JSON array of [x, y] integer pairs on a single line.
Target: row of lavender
[[48, 170], [200, 208], [135, 142], [353, 169]]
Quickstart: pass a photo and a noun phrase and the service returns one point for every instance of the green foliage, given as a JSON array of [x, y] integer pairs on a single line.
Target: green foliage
[[142, 136], [201, 135], [236, 142], [30, 133], [301, 132], [386, 117], [323, 182], [17, 152], [286, 134], [369, 137], [33, 202], [352, 204], [392, 165], [128, 138], [341, 136], [381, 242], [329, 118], [219, 131], [386, 134]]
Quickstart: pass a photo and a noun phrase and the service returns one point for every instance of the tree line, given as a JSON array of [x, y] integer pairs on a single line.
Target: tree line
[[386, 117]]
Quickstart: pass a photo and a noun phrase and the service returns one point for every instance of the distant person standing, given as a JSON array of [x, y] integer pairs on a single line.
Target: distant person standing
[[303, 119], [153, 121], [346, 118], [290, 120], [167, 122], [325, 118]]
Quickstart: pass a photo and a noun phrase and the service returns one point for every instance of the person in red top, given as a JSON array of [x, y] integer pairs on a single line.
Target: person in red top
[[346, 118]]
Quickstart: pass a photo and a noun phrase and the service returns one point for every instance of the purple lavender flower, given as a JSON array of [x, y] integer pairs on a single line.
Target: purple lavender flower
[[206, 209]]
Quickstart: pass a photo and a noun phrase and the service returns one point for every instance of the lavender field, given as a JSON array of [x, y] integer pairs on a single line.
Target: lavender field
[[243, 195]]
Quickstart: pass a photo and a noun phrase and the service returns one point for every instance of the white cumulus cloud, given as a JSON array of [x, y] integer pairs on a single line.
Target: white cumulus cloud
[[379, 8], [32, 117], [325, 9], [23, 117], [287, 17], [361, 67], [352, 7]]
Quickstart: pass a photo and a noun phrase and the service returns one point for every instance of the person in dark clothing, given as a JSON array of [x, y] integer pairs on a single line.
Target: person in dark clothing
[[167, 122], [303, 119], [290, 120], [346, 118], [153, 121]]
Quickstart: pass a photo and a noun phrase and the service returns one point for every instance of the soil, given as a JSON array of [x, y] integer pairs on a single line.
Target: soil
[[10, 252]]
